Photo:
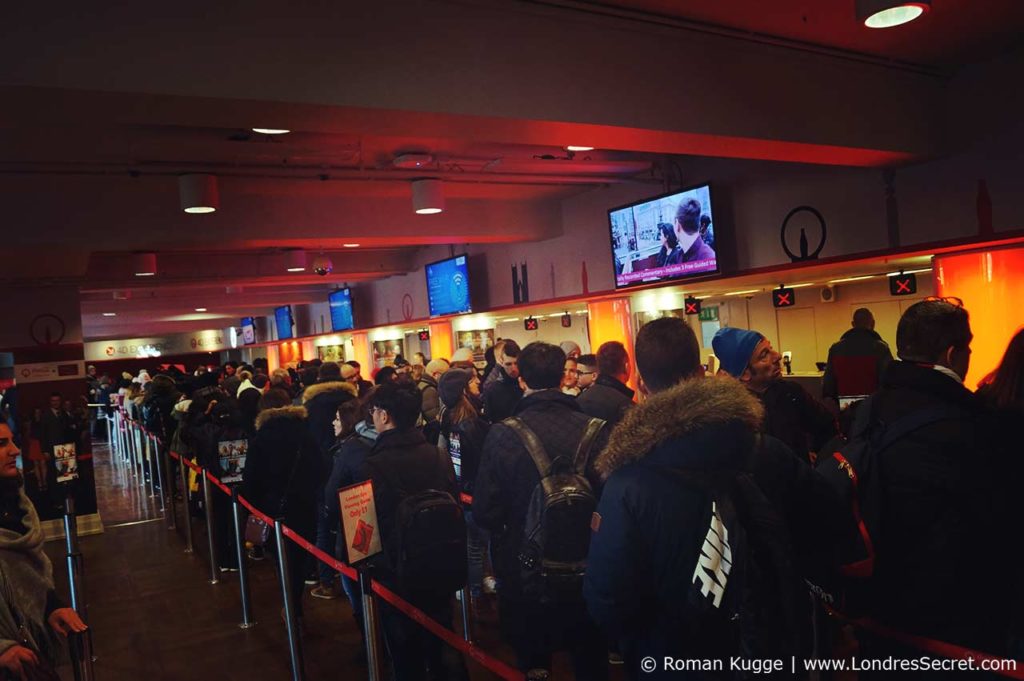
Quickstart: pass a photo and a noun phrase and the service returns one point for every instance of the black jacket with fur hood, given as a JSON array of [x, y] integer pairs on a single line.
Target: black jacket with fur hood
[[651, 522], [321, 401]]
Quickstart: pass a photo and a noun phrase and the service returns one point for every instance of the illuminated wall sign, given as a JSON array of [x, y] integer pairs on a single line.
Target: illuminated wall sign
[[903, 284], [210, 340], [691, 306], [783, 297]]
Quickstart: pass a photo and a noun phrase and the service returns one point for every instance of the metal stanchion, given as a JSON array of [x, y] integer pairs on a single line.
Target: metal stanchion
[[110, 442], [243, 569], [183, 469], [371, 630], [165, 464], [76, 580], [147, 463], [294, 643], [208, 508], [157, 463], [464, 601]]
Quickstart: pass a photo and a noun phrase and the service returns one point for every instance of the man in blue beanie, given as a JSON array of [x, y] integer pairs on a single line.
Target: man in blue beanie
[[791, 414]]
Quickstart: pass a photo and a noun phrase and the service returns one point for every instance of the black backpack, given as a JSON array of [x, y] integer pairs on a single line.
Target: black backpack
[[556, 533], [855, 472]]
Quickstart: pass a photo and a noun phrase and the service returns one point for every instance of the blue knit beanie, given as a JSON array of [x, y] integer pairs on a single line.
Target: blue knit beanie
[[733, 347]]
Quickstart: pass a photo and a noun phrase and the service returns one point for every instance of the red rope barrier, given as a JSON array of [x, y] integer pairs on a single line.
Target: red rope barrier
[[255, 511], [193, 466], [940, 648], [330, 561], [174, 455], [466, 499], [223, 488], [496, 666]]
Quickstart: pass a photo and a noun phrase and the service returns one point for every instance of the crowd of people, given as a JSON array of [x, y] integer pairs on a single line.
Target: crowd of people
[[685, 517]]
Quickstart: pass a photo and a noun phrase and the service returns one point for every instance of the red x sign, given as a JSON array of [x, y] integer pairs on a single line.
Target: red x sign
[[783, 297], [903, 284], [691, 306]]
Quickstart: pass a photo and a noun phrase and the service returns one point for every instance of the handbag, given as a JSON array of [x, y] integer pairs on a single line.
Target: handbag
[[257, 532]]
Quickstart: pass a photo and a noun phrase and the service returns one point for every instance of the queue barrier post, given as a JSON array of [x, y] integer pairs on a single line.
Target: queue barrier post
[[294, 643], [463, 596], [159, 466], [371, 628], [210, 540], [172, 517], [243, 571], [147, 467], [110, 442], [183, 469], [82, 656]]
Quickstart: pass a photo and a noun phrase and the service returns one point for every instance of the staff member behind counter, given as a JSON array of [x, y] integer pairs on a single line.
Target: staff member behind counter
[[31, 616]]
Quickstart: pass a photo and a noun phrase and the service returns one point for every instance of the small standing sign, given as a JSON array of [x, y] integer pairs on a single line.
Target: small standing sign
[[359, 521], [66, 462]]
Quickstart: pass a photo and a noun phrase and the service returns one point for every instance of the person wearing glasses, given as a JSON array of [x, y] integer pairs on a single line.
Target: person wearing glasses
[[586, 371]]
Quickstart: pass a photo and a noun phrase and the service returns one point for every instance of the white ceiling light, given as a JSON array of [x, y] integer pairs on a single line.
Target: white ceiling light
[[743, 293], [889, 13], [144, 264], [109, 314], [295, 260], [427, 196], [574, 147], [198, 193], [271, 131], [860, 278], [351, 245], [200, 309], [893, 274], [231, 290]]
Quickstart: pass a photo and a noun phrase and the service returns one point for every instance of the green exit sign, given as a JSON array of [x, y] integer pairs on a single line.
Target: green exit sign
[[709, 314]]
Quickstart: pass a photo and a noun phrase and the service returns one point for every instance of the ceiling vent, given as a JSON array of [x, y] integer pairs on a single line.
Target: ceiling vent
[[413, 161]]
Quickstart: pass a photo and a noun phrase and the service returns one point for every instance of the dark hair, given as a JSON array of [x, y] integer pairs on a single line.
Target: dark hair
[[670, 235], [260, 381], [705, 220], [612, 358], [510, 348], [1007, 387], [56, 394], [541, 365], [231, 363], [587, 360], [930, 327], [862, 318], [329, 371], [666, 353], [688, 215], [352, 413], [354, 364], [308, 376], [401, 401], [275, 399], [384, 375]]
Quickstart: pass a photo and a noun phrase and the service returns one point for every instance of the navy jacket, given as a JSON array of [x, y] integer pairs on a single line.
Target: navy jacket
[[608, 399]]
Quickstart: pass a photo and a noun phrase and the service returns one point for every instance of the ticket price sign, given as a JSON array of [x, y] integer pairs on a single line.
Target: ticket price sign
[[66, 462], [359, 521]]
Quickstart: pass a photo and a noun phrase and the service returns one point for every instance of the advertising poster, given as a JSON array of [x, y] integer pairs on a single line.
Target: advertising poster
[[359, 521], [66, 462], [477, 341], [232, 459], [331, 353], [385, 351]]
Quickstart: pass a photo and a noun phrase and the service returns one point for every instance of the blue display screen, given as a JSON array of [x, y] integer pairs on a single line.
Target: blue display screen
[[283, 319], [340, 302], [448, 286]]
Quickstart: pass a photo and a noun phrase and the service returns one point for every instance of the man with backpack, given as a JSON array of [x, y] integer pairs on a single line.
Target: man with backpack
[[422, 532], [540, 522], [704, 523]]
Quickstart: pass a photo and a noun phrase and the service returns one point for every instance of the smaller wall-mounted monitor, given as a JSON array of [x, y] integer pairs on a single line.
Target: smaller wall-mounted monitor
[[283, 320], [248, 331], [448, 286], [340, 302], [664, 238]]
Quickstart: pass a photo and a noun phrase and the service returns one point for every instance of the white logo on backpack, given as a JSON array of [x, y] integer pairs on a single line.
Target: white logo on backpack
[[715, 560]]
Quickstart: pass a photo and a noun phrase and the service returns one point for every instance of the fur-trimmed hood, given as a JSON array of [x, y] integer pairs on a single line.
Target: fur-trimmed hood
[[321, 388], [268, 415], [687, 409]]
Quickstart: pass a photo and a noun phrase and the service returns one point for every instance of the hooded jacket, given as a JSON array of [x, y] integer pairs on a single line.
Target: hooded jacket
[[651, 522], [321, 401], [282, 443]]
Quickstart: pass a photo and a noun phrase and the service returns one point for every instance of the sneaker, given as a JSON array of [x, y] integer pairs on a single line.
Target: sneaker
[[615, 658], [310, 581], [490, 585], [327, 593], [228, 569]]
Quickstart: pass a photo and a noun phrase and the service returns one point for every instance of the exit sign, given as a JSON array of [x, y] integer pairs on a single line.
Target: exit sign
[[709, 314], [783, 297], [903, 284]]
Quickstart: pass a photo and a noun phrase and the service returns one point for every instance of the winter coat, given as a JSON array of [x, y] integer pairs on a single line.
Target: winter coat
[[946, 496], [156, 413], [249, 408], [400, 463], [651, 522], [348, 461], [26, 577], [321, 401], [792, 415], [472, 433], [856, 343], [501, 396], [508, 475], [427, 386], [282, 442], [607, 399]]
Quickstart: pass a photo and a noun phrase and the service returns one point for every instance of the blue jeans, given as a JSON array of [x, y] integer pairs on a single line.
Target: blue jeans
[[476, 550], [326, 537]]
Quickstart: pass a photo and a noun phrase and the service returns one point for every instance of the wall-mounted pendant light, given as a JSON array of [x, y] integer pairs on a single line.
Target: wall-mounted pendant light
[[144, 264], [889, 13], [427, 196], [199, 193], [295, 260], [322, 265]]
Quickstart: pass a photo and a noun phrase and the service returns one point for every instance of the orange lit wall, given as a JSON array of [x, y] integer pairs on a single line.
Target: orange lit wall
[[361, 352], [442, 340], [273, 361], [290, 353], [991, 284], [612, 320]]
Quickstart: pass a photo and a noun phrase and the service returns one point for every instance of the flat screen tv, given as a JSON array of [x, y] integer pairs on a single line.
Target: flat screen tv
[[283, 320], [248, 331], [340, 302], [448, 286], [664, 238]]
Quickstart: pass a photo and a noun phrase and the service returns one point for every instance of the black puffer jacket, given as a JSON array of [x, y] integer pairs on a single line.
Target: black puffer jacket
[[945, 558], [508, 475], [792, 415], [282, 442], [321, 402]]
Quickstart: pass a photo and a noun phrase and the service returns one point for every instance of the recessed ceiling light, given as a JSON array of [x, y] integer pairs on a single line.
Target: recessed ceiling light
[[198, 193], [576, 147], [271, 131], [860, 278], [889, 13], [893, 274], [351, 245], [109, 314], [743, 293], [144, 264], [427, 196], [295, 260], [200, 309]]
